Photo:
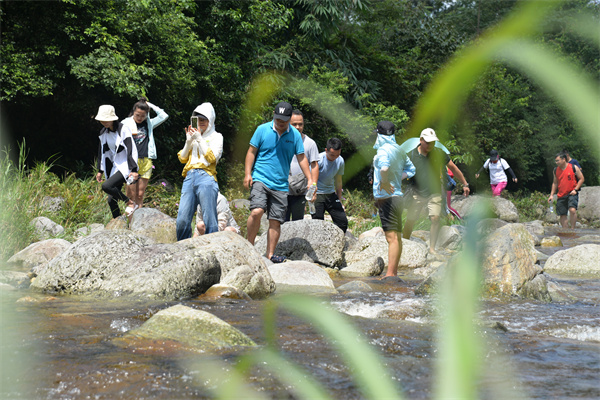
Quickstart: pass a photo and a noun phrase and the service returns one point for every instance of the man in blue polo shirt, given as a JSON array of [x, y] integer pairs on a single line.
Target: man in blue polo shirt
[[267, 168]]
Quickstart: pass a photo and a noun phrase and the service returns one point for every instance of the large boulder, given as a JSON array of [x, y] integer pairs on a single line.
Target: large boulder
[[578, 260], [154, 224], [301, 277], [193, 329], [589, 204], [509, 260], [499, 207], [37, 253], [310, 240], [120, 263], [241, 265], [508, 266]]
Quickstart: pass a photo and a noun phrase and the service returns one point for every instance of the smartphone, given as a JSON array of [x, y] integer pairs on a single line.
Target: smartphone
[[194, 121]]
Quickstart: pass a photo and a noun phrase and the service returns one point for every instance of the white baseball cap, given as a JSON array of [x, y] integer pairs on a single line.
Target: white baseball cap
[[429, 135]]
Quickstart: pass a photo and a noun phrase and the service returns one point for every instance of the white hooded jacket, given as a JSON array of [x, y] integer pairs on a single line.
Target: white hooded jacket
[[203, 150]]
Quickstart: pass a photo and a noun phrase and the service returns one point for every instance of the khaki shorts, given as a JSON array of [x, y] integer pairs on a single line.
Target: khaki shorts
[[433, 203], [145, 167]]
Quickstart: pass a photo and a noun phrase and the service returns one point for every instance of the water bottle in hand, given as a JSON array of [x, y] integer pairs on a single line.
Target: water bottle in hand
[[309, 195]]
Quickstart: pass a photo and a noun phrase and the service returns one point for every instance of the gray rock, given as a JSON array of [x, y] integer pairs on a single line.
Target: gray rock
[[558, 293], [87, 230], [508, 266], [370, 252], [536, 288], [309, 240], [350, 241], [536, 227], [154, 224], [241, 265], [590, 238], [52, 204], [45, 228], [37, 253], [301, 277], [489, 225], [354, 287], [19, 280], [578, 260], [541, 256], [373, 232], [371, 266], [498, 207], [450, 237], [589, 204], [194, 329], [509, 259], [121, 263]]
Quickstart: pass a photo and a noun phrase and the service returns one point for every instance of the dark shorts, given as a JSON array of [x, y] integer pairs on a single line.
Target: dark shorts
[[564, 203], [274, 202], [390, 213]]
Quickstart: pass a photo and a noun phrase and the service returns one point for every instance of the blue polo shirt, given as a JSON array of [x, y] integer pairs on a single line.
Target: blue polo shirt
[[275, 153]]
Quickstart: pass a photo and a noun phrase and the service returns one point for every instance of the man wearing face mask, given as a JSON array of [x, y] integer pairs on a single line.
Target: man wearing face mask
[[390, 167], [203, 149]]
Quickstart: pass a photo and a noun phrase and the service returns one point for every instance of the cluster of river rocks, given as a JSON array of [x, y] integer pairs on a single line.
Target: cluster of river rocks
[[143, 259]]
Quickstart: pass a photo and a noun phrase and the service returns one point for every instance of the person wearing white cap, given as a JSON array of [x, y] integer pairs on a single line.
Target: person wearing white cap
[[201, 153], [429, 162], [117, 159]]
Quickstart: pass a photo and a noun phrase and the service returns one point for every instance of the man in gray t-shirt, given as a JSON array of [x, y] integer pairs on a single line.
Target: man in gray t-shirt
[[296, 200], [329, 185]]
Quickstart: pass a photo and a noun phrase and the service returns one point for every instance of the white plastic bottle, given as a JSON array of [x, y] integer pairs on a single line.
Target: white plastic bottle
[[309, 195]]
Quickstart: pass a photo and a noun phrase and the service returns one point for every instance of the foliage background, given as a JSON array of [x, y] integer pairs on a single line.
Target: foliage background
[[59, 60]]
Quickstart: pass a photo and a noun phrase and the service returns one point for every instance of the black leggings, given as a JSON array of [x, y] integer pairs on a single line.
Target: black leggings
[[112, 186]]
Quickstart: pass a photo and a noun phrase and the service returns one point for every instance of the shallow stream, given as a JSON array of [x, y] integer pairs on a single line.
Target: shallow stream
[[62, 348]]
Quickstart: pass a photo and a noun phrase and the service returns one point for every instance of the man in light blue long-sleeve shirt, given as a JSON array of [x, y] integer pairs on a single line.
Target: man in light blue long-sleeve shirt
[[391, 166]]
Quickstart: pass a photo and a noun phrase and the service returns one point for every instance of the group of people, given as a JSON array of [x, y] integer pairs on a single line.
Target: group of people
[[284, 170], [125, 153]]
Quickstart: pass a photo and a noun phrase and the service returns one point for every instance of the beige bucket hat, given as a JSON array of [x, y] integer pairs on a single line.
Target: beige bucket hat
[[106, 113]]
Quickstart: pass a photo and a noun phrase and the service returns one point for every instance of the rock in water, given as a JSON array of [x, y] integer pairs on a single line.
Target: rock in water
[[121, 263], [578, 260], [195, 329]]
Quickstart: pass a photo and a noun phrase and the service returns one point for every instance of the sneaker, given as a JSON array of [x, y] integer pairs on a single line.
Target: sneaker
[[129, 210], [278, 259]]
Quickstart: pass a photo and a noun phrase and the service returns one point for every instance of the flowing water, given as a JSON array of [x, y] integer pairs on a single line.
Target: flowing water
[[63, 348]]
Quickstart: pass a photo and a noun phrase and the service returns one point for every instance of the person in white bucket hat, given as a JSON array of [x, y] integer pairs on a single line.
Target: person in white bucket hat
[[117, 159]]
